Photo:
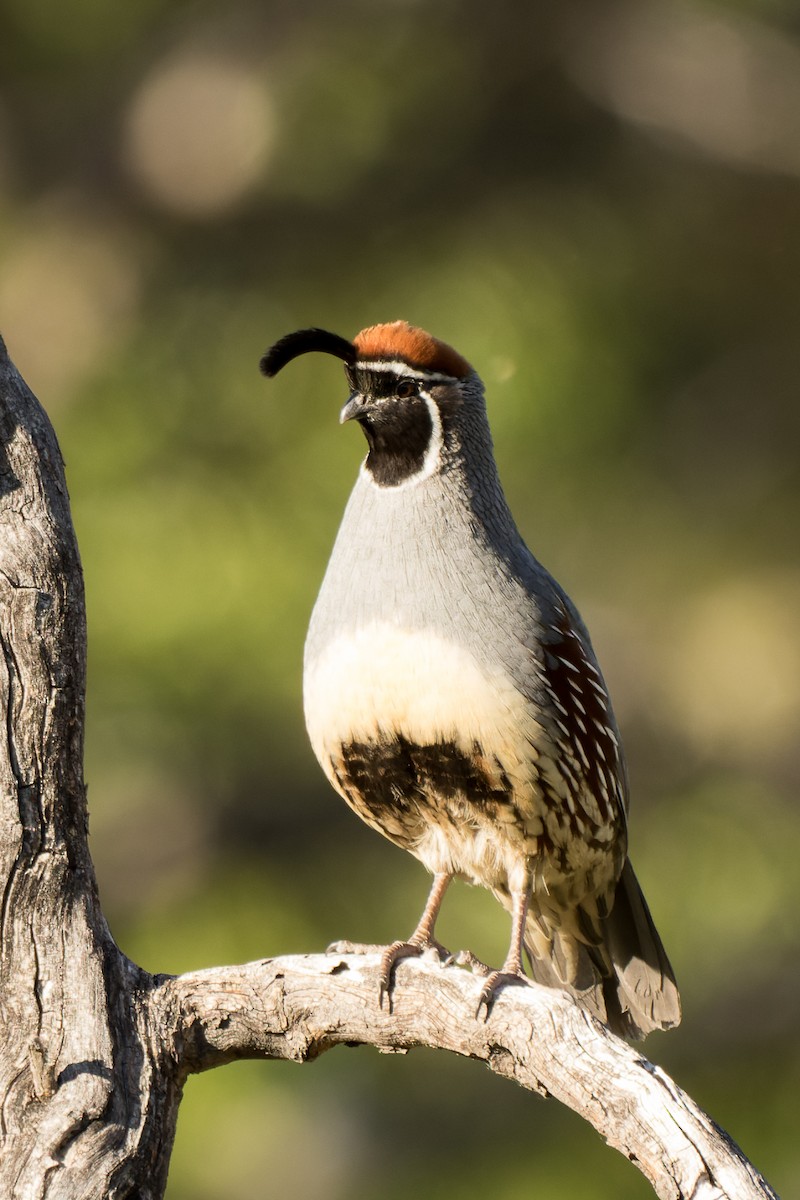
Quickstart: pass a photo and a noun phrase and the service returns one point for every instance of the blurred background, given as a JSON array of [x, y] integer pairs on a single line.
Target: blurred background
[[599, 205]]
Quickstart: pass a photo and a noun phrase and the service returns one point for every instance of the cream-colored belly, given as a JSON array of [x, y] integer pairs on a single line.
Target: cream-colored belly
[[384, 679], [381, 682]]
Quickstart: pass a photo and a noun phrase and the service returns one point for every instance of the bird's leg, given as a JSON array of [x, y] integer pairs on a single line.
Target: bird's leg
[[511, 970], [421, 939]]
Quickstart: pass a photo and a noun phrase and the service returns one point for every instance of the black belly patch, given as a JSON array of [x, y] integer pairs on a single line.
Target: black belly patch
[[399, 786]]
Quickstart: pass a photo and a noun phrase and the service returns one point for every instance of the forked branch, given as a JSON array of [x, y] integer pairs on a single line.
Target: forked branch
[[95, 1051]]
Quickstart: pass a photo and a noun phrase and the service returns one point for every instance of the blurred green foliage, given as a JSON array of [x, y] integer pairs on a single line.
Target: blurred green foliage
[[598, 205]]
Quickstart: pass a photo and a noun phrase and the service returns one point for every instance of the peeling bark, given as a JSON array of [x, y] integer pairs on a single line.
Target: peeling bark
[[94, 1051]]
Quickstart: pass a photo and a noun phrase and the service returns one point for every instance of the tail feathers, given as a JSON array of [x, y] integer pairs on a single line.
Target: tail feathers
[[646, 988], [561, 960], [616, 967]]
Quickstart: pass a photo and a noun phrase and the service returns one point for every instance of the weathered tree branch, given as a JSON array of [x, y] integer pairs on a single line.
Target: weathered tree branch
[[297, 1007], [95, 1051]]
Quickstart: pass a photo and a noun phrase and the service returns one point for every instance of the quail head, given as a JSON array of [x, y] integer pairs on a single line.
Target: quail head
[[452, 695]]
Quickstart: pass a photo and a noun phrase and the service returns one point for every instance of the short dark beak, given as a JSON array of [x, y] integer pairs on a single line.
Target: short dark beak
[[354, 409]]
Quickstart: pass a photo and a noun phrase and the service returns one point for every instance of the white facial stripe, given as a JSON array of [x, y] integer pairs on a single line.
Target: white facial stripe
[[401, 368], [430, 462]]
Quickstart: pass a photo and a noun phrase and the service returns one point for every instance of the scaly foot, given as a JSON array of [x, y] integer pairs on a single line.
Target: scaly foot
[[494, 982], [390, 956], [393, 954]]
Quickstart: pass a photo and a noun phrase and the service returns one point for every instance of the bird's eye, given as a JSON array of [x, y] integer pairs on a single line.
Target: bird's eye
[[407, 388]]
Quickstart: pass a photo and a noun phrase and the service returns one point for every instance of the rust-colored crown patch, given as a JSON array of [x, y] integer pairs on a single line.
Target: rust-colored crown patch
[[399, 341]]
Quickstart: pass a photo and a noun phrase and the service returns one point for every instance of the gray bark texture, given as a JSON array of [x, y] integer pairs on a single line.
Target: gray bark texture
[[94, 1051]]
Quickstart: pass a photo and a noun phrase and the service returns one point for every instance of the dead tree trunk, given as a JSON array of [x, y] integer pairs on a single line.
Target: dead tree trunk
[[94, 1051]]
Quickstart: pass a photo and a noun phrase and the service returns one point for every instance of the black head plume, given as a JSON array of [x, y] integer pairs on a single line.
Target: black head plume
[[301, 342]]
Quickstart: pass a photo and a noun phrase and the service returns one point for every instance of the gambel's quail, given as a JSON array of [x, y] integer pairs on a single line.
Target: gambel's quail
[[452, 695]]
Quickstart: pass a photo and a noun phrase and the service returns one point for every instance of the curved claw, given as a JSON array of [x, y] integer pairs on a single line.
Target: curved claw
[[494, 983], [399, 950], [392, 955]]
